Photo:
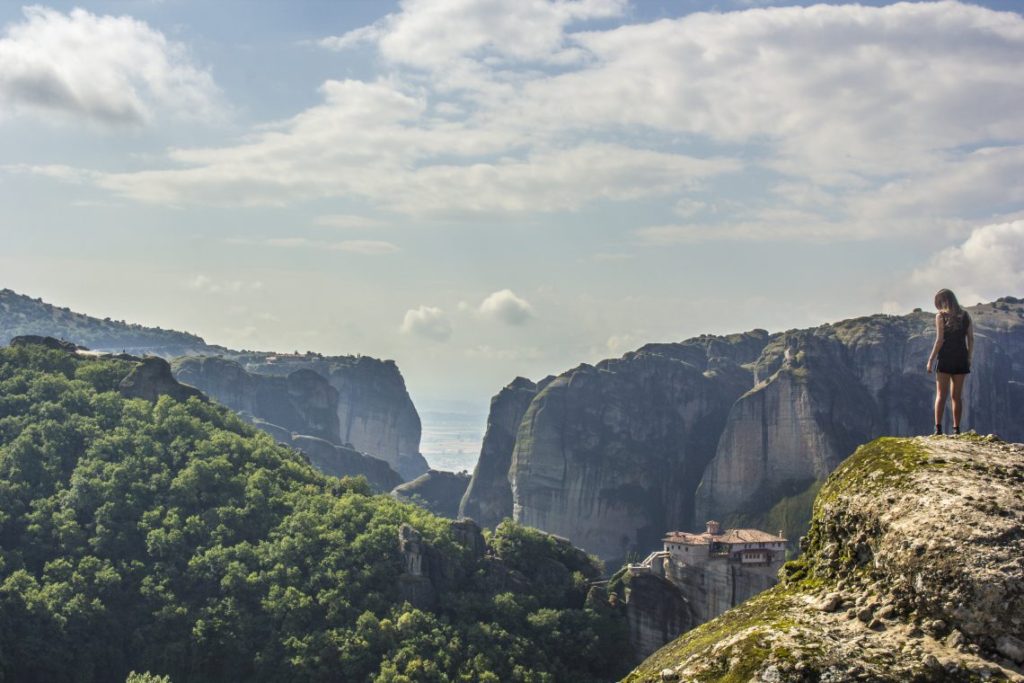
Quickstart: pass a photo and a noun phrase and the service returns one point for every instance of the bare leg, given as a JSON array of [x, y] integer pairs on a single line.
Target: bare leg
[[958, 394], [942, 381]]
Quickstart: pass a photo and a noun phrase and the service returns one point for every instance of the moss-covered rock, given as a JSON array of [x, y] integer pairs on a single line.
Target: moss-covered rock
[[913, 570]]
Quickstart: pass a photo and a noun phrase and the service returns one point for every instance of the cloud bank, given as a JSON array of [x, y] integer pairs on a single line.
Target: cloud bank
[[114, 71], [987, 265], [852, 122]]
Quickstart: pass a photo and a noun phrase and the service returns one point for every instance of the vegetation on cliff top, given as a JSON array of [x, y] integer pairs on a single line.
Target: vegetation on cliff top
[[172, 538]]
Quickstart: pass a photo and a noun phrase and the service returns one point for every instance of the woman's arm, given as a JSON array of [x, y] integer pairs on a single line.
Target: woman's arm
[[938, 342], [970, 342]]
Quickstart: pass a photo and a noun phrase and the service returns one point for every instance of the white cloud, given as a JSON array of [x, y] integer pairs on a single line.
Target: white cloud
[[203, 283], [506, 307], [429, 322], [987, 265], [433, 33], [110, 70], [852, 121]]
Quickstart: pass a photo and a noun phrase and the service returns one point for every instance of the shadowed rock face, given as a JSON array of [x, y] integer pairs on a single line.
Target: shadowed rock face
[[340, 461], [375, 413], [488, 498], [657, 612], [302, 402], [372, 409], [152, 378], [608, 456], [361, 402], [912, 571], [827, 389], [439, 492], [611, 456]]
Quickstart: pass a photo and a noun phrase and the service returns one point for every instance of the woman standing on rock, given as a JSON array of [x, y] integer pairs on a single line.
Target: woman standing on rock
[[954, 347]]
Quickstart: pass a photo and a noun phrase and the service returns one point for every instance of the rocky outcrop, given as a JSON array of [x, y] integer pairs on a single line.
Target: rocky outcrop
[[822, 391], [46, 342], [372, 409], [152, 378], [488, 498], [656, 611], [437, 491], [913, 570], [341, 461], [429, 571], [373, 412], [302, 402], [611, 455]]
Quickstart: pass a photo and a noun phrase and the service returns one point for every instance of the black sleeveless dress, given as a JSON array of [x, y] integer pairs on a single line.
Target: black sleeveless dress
[[953, 352]]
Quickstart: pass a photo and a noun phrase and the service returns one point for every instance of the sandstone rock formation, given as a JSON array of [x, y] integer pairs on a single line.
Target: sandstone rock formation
[[340, 461], [656, 611], [913, 571], [152, 378], [488, 498], [302, 402], [822, 391], [437, 491], [371, 409], [611, 455], [48, 342]]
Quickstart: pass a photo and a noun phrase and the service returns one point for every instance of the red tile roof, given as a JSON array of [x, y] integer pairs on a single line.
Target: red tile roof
[[729, 536]]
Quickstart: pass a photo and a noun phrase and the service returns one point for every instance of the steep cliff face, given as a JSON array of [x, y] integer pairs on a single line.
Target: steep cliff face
[[657, 612], [913, 571], [437, 491], [340, 461], [609, 456], [374, 411], [488, 498], [822, 391], [361, 402], [302, 402], [371, 409]]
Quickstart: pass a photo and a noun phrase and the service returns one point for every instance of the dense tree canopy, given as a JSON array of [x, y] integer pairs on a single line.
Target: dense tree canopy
[[171, 538]]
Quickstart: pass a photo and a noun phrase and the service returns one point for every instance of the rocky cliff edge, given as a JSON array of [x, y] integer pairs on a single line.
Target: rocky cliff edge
[[913, 570]]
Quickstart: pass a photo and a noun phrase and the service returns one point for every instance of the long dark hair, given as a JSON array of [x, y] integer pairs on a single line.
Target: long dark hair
[[945, 300], [949, 307]]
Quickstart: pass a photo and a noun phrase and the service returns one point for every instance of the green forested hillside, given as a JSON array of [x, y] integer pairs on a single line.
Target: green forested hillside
[[172, 538]]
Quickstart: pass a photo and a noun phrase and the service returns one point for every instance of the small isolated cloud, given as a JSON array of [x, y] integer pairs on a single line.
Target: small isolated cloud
[[203, 283], [987, 265], [110, 70], [427, 321], [506, 307]]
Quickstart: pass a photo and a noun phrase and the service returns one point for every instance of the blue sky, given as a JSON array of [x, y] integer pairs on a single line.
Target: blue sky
[[483, 189]]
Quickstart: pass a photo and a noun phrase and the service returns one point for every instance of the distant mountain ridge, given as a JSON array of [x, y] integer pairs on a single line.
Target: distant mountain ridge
[[354, 402], [22, 315]]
